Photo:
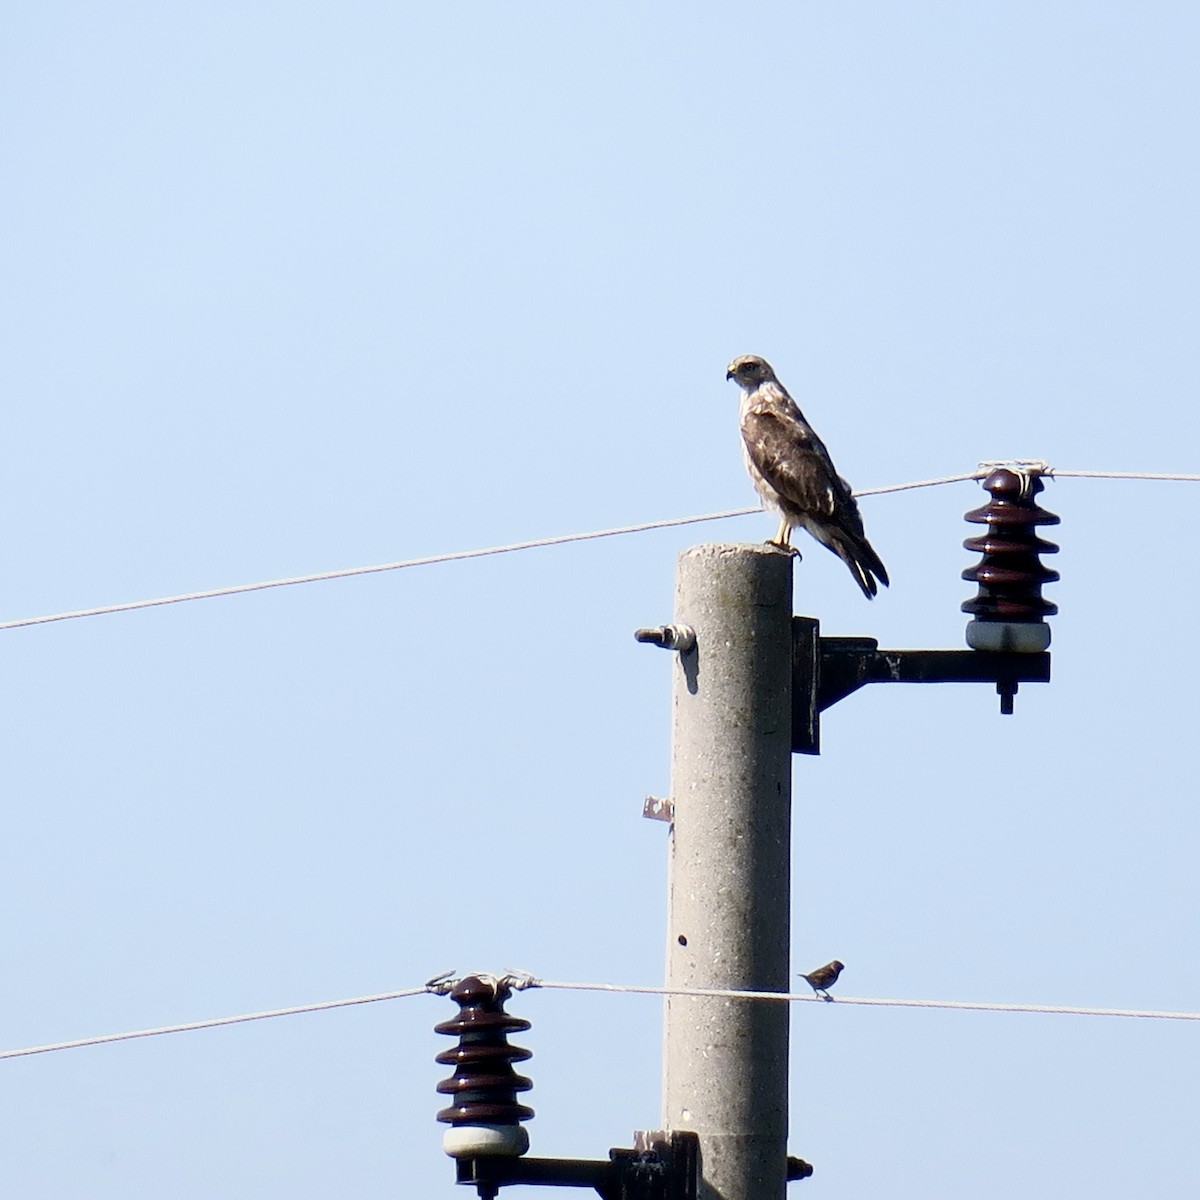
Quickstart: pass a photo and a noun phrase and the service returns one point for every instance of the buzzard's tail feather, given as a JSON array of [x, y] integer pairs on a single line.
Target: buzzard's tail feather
[[864, 563]]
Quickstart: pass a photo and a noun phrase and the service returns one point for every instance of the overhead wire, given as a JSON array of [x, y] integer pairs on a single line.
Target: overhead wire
[[521, 981], [806, 998], [1160, 476], [212, 1023], [539, 543], [348, 572]]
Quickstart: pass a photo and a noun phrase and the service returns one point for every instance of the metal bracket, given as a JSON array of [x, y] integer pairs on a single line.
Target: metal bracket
[[659, 808], [828, 669], [662, 1166]]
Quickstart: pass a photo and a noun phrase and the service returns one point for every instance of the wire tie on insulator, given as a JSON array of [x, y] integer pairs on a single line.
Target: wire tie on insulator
[[1028, 469], [519, 980]]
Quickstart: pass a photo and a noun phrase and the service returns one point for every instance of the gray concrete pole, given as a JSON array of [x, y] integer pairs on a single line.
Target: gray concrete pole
[[725, 1062]]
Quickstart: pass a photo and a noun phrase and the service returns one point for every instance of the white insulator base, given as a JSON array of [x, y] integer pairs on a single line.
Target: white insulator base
[[1027, 637], [476, 1141]]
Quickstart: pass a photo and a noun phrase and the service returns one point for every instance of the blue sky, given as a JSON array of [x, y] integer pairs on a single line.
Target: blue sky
[[298, 287]]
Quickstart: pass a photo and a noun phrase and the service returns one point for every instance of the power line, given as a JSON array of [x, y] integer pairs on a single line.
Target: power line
[[807, 998], [1039, 466], [347, 572], [919, 483], [522, 981], [214, 1022], [558, 540], [1152, 475]]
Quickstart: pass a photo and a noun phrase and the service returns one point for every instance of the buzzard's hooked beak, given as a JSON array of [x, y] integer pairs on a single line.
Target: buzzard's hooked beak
[[728, 374]]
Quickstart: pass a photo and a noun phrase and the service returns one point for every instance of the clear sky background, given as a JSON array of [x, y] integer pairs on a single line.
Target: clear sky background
[[294, 287]]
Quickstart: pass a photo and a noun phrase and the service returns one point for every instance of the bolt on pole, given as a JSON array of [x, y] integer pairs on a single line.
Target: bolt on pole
[[725, 1062]]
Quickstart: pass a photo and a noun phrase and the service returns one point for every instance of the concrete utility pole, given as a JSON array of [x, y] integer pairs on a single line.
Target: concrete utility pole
[[726, 1061]]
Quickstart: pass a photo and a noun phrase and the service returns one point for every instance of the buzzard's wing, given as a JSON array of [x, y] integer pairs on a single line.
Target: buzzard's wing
[[794, 461]]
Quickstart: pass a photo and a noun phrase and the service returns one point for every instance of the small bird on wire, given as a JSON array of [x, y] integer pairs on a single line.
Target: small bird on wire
[[823, 978], [794, 475]]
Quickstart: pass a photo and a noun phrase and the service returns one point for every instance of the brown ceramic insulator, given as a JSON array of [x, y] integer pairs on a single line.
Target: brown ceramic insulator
[[1010, 574], [484, 1086]]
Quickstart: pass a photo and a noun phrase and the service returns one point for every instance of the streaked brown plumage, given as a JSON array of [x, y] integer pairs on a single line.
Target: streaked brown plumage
[[823, 978], [794, 475]]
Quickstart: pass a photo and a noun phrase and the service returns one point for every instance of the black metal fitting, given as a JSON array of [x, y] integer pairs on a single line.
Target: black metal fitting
[[797, 1168], [828, 669], [661, 1166]]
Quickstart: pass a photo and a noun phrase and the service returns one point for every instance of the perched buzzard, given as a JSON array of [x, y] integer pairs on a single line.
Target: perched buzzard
[[794, 474]]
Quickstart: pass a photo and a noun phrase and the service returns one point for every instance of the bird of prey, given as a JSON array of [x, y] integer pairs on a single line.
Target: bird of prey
[[823, 978], [794, 475]]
